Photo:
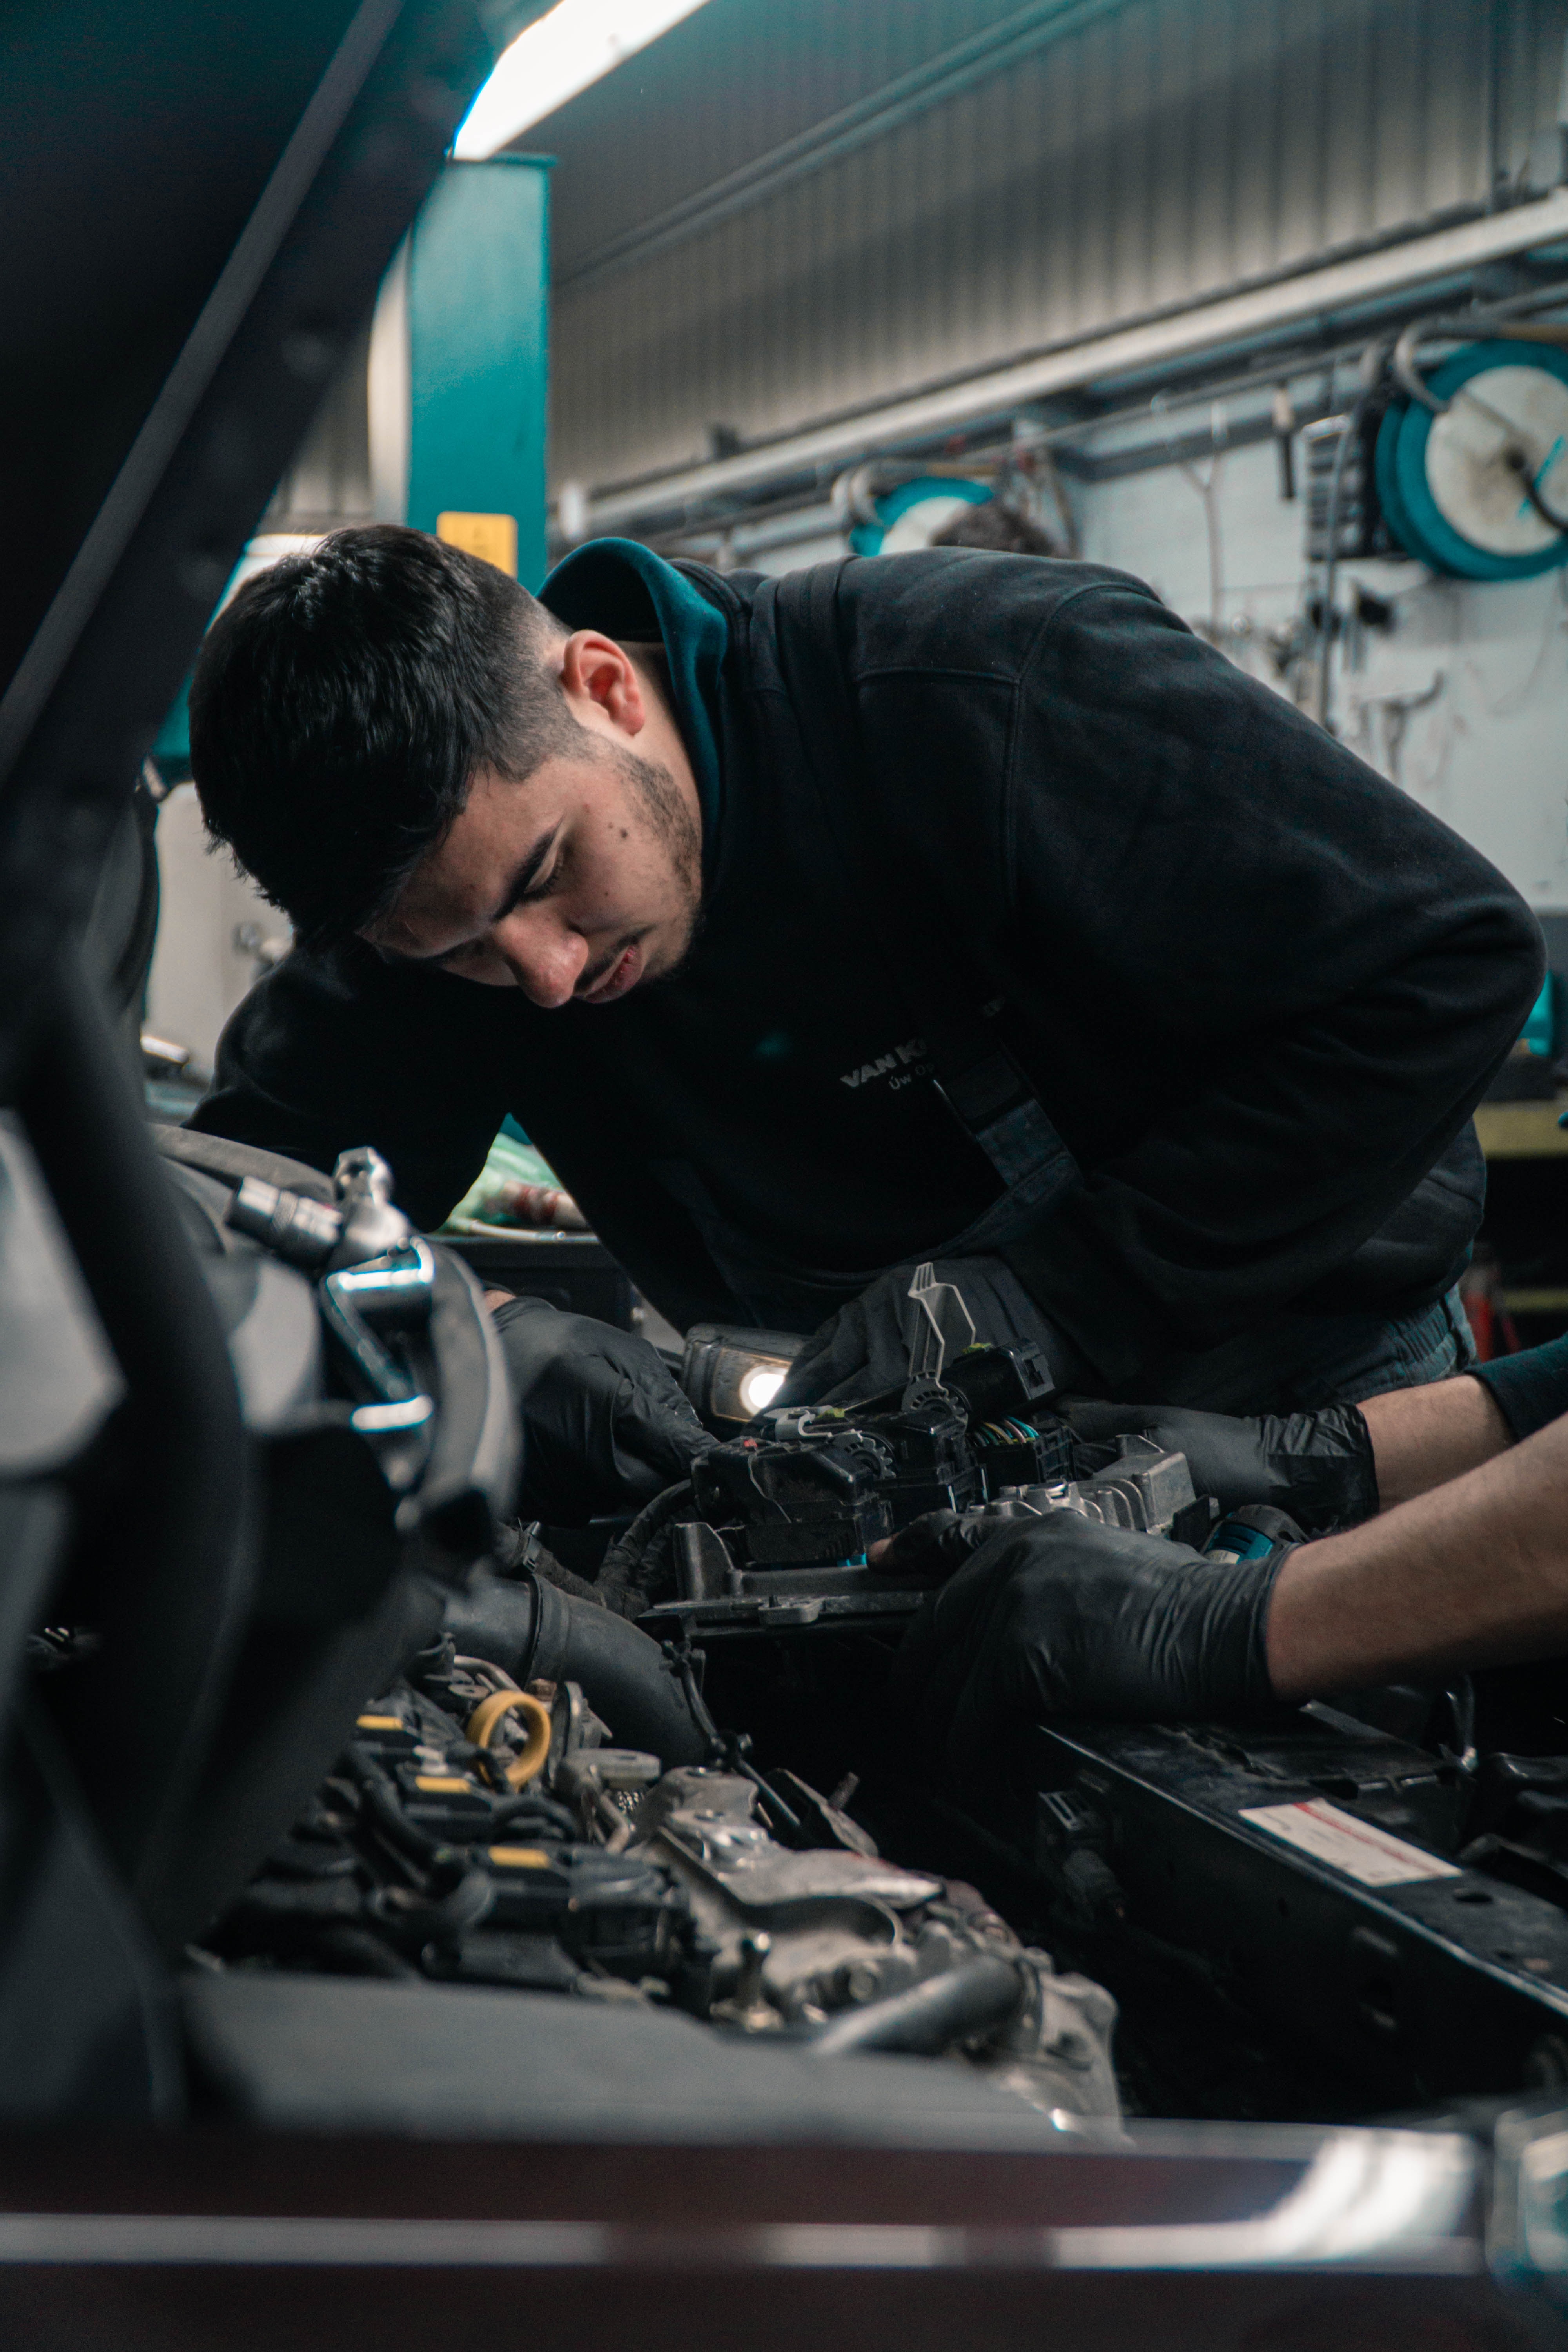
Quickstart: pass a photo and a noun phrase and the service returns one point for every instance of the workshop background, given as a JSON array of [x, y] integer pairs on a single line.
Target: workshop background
[[804, 276]]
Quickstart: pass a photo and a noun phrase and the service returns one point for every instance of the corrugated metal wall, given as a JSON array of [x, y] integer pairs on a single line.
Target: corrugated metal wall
[[1149, 152]]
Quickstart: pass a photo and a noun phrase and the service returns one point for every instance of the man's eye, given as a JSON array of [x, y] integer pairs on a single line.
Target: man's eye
[[543, 884]]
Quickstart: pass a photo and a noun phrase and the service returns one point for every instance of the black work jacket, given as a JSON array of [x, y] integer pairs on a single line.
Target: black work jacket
[[1258, 991]]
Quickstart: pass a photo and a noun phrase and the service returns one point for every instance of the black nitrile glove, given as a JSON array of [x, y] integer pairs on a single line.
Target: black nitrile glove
[[605, 1425], [1061, 1615], [864, 1349], [1317, 1465], [931, 1547]]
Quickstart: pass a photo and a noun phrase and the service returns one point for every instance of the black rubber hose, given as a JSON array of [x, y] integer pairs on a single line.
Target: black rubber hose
[[636, 1561], [623, 1672], [929, 2018], [536, 1816], [1518, 463], [382, 1808]]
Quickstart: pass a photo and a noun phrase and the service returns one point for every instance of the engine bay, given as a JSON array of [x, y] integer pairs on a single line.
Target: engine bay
[[474, 1833], [696, 1798]]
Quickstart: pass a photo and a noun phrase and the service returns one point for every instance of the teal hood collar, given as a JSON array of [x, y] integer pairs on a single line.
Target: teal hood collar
[[625, 590]]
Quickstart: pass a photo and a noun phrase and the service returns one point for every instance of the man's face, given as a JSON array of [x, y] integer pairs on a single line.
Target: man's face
[[575, 886]]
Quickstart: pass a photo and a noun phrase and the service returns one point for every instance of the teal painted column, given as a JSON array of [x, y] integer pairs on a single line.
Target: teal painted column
[[458, 381], [477, 296]]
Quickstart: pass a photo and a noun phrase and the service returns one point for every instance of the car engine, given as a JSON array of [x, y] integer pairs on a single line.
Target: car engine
[[543, 1799], [1359, 1902], [475, 1833]]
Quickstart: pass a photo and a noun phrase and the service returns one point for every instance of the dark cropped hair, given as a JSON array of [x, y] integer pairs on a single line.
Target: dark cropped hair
[[999, 526], [342, 703]]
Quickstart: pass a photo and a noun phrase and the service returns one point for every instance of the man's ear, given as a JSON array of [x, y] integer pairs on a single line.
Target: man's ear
[[601, 683]]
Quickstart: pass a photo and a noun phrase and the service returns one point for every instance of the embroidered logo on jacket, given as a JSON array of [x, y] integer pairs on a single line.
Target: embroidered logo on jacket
[[900, 1066]]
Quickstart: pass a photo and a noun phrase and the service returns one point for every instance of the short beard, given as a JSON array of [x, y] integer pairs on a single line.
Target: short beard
[[677, 831]]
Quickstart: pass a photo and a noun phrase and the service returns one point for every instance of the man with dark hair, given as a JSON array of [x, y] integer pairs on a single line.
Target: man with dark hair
[[999, 525], [380, 681], [951, 905]]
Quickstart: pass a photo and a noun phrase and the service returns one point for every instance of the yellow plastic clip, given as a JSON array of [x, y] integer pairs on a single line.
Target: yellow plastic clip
[[489, 1711]]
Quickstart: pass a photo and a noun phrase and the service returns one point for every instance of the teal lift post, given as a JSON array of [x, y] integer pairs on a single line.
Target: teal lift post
[[477, 361], [475, 377]]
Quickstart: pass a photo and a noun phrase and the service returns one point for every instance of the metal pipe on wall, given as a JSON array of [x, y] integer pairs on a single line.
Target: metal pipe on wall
[[1181, 335]]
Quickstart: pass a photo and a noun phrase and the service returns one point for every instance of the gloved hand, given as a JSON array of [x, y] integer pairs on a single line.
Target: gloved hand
[[605, 1425], [1061, 1615], [1319, 1466], [864, 1349]]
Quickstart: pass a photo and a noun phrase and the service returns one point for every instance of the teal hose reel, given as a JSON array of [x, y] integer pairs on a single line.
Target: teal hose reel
[[1473, 475], [911, 515]]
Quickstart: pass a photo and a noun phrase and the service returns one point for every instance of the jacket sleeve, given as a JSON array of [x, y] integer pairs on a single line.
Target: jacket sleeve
[[340, 1049], [1322, 976]]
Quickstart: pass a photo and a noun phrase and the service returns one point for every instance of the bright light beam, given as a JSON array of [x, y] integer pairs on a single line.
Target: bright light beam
[[554, 59]]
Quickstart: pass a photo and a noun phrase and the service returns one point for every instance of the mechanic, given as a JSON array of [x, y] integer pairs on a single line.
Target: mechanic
[[1000, 525], [1446, 1550], [953, 906]]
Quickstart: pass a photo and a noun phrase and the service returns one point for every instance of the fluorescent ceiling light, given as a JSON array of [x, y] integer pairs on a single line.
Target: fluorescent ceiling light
[[575, 43]]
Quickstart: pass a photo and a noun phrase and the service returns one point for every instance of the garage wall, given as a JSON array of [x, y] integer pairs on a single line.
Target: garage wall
[[1484, 743], [216, 934], [1484, 669], [811, 208]]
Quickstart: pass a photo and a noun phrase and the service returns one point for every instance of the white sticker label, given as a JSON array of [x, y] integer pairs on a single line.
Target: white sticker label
[[1359, 1849]]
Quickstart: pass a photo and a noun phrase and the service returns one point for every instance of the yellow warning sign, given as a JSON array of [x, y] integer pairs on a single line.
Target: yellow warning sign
[[492, 537]]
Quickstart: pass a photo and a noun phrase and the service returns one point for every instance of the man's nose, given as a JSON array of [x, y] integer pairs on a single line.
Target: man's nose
[[546, 960]]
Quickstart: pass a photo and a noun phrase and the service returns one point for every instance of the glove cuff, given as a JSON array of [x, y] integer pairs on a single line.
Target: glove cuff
[[1248, 1549], [1323, 1464]]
